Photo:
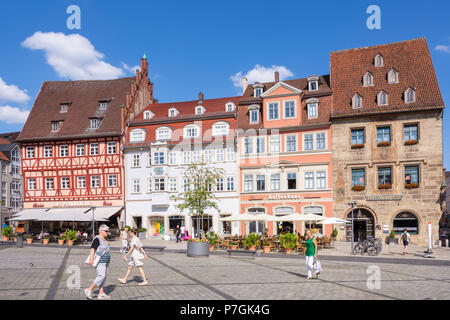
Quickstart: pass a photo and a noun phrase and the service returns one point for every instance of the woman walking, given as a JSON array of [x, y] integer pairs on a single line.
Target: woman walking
[[100, 248], [124, 235], [310, 252], [137, 254]]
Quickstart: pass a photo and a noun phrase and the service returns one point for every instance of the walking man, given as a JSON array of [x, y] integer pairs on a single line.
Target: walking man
[[178, 233], [406, 238]]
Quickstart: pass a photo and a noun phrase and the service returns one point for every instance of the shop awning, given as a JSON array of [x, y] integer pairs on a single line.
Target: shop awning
[[67, 214], [29, 214], [103, 212]]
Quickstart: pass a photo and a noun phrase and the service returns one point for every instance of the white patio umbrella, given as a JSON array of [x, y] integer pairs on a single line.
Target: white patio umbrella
[[249, 217], [333, 220], [300, 217]]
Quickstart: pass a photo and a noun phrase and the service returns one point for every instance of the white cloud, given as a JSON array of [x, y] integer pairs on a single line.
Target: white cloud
[[132, 70], [443, 48], [12, 93], [72, 56], [9, 114], [261, 74]]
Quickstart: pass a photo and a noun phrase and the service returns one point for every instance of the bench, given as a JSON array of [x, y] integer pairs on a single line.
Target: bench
[[248, 252], [160, 248]]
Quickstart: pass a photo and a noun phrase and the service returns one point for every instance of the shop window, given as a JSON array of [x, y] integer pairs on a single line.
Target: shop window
[[406, 220]]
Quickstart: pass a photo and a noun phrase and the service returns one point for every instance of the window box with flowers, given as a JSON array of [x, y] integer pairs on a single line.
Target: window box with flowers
[[357, 146], [411, 185], [384, 144], [411, 142], [358, 188], [385, 186]]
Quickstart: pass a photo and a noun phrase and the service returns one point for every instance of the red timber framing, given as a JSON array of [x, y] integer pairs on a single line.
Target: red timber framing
[[99, 165]]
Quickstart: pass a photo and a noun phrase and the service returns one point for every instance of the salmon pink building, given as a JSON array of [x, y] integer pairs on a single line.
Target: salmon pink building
[[285, 151]]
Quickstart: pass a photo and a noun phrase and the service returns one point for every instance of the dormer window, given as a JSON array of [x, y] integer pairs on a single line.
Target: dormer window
[[313, 108], [313, 83], [103, 105], [220, 129], [55, 126], [368, 79], [64, 108], [382, 98], [378, 61], [147, 115], [258, 90], [393, 76], [410, 95], [229, 107], [94, 123], [199, 110], [137, 135], [163, 133], [173, 112], [356, 101], [191, 131]]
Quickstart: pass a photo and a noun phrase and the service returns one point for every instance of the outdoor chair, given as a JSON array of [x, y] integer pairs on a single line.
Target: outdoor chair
[[226, 244], [299, 247], [326, 242]]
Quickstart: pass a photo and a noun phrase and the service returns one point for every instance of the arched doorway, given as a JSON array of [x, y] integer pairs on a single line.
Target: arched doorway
[[256, 226], [284, 226], [406, 220], [363, 223]]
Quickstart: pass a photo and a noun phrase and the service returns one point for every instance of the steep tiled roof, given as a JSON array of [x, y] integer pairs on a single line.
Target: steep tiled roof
[[83, 98], [186, 109], [411, 59]]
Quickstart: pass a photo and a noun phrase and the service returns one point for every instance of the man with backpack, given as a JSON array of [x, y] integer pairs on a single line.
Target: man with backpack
[[405, 237]]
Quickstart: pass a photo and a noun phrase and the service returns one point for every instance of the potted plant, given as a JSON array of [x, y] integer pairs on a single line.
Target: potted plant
[[198, 199], [46, 239], [251, 241], [266, 247], [6, 232], [334, 235], [212, 238], [288, 241], [357, 146], [385, 186], [234, 245], [358, 188], [411, 142], [411, 185], [142, 233], [384, 144], [29, 239], [61, 240], [392, 239], [70, 236]]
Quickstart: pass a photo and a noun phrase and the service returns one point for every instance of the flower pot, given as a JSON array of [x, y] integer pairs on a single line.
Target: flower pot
[[233, 246], [197, 249], [45, 241], [252, 248], [29, 241], [211, 247], [288, 250], [70, 243], [5, 238], [266, 249], [14, 239], [60, 242]]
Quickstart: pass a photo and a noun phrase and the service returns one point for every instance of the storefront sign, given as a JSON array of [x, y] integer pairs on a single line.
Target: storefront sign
[[394, 197], [385, 228], [159, 171], [284, 197]]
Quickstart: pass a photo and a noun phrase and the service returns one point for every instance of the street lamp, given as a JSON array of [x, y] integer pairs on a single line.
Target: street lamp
[[353, 204]]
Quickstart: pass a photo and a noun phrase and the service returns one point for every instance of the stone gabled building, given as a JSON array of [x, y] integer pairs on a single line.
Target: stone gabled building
[[387, 139]]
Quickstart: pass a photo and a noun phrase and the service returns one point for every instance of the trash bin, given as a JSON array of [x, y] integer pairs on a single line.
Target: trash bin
[[19, 242]]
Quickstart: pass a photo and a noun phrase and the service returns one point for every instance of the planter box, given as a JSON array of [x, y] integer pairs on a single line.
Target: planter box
[[197, 249], [60, 242], [266, 249], [392, 241], [29, 241], [142, 235]]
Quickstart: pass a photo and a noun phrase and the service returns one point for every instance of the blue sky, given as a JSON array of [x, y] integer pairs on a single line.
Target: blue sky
[[196, 46]]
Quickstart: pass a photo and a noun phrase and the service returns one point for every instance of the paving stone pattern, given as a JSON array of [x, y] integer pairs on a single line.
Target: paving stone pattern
[[32, 273]]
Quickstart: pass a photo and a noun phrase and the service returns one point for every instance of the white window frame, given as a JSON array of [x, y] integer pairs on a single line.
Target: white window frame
[[275, 143], [157, 158], [136, 183], [220, 155], [160, 181], [112, 145], [187, 129], [286, 142], [81, 182], [137, 135], [230, 154], [103, 105], [112, 180], [187, 157], [95, 181], [31, 154], [379, 98], [264, 145], [318, 186], [284, 109], [310, 107], [230, 182], [309, 177], [366, 82], [278, 110], [65, 183], [93, 149], [228, 105], [55, 126], [32, 184], [257, 92], [80, 152], [173, 158], [248, 183], [220, 129], [136, 160], [163, 133], [395, 73], [48, 151], [172, 112], [199, 110], [275, 184], [147, 115], [316, 82], [354, 106], [315, 141], [209, 155], [413, 93], [173, 185], [254, 111], [49, 182], [379, 58], [64, 108], [63, 151], [196, 156], [94, 123]]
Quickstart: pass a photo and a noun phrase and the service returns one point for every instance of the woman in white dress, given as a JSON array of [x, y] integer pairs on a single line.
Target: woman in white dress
[[135, 257]]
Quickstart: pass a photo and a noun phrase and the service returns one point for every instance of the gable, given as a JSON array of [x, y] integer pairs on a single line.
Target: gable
[[281, 88]]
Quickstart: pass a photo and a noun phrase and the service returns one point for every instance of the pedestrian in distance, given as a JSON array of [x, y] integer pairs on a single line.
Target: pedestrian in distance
[[406, 238], [310, 251], [125, 235], [178, 233], [134, 258], [183, 232], [100, 249]]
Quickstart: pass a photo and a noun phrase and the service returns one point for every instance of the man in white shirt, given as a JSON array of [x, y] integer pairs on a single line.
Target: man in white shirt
[[183, 232]]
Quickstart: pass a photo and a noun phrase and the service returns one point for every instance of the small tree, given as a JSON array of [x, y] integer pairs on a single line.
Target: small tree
[[199, 196]]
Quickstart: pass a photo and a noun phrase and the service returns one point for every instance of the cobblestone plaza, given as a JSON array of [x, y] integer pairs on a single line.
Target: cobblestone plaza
[[50, 273]]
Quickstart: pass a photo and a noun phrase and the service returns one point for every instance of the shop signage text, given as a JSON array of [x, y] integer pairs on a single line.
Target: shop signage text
[[284, 197], [393, 197]]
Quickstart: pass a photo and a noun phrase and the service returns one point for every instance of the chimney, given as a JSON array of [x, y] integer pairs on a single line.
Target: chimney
[[144, 65], [277, 76], [200, 97], [244, 84]]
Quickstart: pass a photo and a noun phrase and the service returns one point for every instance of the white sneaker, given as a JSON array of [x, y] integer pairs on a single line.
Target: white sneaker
[[103, 296], [121, 280], [88, 293]]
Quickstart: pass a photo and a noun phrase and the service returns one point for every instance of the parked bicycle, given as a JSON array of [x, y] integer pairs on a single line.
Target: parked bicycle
[[370, 246]]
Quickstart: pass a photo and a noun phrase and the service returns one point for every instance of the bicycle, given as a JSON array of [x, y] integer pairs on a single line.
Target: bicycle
[[370, 246]]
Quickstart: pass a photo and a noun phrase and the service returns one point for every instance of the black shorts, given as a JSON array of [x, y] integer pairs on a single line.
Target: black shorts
[[405, 242]]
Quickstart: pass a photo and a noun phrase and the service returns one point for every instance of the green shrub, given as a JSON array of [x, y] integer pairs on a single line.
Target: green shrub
[[288, 240], [7, 231], [335, 233], [251, 240], [142, 230], [392, 234], [70, 235], [212, 237]]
